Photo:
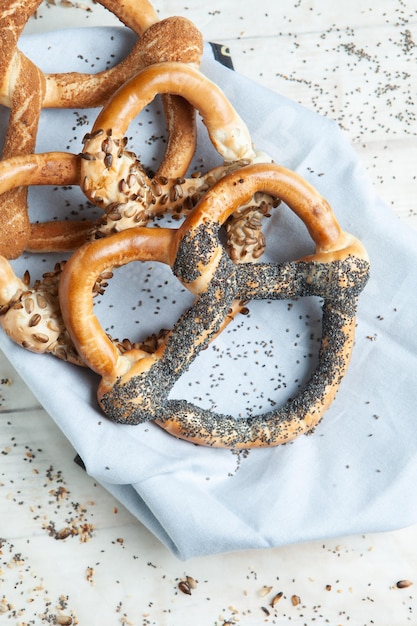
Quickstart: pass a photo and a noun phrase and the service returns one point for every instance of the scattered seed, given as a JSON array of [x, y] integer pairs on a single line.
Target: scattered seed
[[192, 583], [63, 533], [184, 586], [63, 620], [276, 599], [264, 591], [402, 584]]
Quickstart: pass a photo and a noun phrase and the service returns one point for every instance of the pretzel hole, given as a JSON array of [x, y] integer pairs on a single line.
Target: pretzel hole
[[139, 300], [52, 203], [260, 361], [117, 44]]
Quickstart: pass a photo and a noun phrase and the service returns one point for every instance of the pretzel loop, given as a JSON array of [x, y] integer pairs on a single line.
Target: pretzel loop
[[107, 166], [135, 388], [25, 89]]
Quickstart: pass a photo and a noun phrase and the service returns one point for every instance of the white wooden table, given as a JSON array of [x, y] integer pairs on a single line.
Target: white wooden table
[[355, 63]]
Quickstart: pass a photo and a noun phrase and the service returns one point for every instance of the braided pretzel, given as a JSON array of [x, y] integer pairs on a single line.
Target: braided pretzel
[[25, 89], [134, 386]]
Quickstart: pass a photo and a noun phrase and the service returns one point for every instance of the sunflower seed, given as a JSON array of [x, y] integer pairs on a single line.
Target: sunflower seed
[[34, 320], [41, 337], [184, 587], [29, 305], [402, 584], [276, 599]]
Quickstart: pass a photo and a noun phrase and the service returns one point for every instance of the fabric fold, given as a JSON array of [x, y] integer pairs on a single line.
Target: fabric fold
[[356, 472]]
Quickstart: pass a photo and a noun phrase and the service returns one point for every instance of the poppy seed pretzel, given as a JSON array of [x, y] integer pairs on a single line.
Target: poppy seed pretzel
[[31, 315], [134, 387], [26, 90]]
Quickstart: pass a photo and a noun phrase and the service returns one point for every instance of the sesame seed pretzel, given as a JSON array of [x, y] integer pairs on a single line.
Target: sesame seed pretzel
[[134, 387], [25, 89]]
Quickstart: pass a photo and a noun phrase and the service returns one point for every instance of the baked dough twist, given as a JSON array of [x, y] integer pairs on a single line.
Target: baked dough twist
[[31, 315], [26, 90], [134, 386], [114, 179]]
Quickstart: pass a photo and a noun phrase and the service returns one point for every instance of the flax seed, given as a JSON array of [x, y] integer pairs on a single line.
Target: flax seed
[[87, 156]]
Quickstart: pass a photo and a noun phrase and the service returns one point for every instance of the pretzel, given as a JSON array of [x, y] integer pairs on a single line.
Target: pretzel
[[31, 315], [25, 89], [114, 179], [134, 387], [25, 93], [51, 168]]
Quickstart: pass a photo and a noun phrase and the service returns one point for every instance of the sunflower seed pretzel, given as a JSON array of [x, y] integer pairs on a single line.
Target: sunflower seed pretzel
[[26, 90], [114, 179]]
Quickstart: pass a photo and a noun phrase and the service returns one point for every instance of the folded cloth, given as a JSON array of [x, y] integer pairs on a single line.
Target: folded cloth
[[356, 473]]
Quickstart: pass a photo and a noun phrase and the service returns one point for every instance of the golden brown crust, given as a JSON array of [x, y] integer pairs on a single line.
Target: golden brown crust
[[71, 88], [26, 95], [48, 168], [176, 37], [58, 236], [135, 385], [76, 287], [16, 174], [227, 130], [25, 89]]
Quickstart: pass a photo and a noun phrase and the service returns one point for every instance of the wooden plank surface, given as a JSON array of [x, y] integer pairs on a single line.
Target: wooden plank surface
[[356, 63]]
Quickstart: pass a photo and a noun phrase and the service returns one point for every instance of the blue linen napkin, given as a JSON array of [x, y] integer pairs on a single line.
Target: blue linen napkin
[[356, 473]]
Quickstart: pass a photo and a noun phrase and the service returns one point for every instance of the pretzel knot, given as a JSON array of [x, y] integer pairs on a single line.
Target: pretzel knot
[[135, 387], [26, 90]]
